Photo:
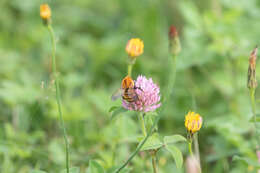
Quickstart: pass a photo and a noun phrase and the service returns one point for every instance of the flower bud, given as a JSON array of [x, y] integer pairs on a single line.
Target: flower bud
[[134, 47], [174, 42], [45, 13], [251, 80], [192, 165], [193, 122]]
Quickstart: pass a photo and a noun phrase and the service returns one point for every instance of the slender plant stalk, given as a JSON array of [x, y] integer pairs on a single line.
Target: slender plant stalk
[[171, 78], [141, 119], [155, 170], [58, 99], [190, 147], [252, 96], [194, 107], [172, 75], [129, 70], [197, 150], [153, 154]]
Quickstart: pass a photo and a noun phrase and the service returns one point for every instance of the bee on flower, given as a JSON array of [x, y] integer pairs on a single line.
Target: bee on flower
[[193, 122], [140, 95], [127, 90], [134, 47], [45, 13]]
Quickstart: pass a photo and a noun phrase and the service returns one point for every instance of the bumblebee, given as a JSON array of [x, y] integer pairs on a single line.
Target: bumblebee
[[127, 90]]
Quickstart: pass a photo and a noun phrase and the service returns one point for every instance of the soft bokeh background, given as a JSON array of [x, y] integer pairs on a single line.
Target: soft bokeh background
[[216, 35]]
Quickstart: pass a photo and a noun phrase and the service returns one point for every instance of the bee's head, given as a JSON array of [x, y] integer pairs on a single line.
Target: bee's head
[[127, 82]]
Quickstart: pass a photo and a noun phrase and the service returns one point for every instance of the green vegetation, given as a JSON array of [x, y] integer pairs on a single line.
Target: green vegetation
[[216, 36]]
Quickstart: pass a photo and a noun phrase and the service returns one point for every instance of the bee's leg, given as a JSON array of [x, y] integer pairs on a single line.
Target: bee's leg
[[135, 87]]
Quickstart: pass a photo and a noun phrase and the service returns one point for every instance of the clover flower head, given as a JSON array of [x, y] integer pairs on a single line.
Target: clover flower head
[[193, 122], [148, 96], [134, 47]]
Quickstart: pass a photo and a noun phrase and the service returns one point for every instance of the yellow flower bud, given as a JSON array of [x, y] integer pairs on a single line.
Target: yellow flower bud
[[193, 122], [134, 47], [45, 12]]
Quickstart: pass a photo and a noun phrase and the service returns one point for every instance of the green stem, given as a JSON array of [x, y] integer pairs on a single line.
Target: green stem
[[57, 87], [172, 76], [252, 96], [129, 71], [155, 170], [141, 119], [197, 150], [190, 147]]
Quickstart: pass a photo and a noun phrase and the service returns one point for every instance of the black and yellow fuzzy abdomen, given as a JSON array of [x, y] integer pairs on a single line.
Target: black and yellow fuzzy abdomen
[[130, 95]]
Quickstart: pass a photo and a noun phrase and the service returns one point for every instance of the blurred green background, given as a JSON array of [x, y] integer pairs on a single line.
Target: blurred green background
[[217, 37]]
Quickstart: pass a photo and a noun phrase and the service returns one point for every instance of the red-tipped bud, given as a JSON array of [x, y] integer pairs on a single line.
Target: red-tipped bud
[[173, 32], [174, 42]]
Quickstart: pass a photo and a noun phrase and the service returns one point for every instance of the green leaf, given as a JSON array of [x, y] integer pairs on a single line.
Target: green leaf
[[173, 139], [72, 170], [246, 161], [37, 171], [252, 119], [152, 143], [113, 108], [149, 119], [95, 167], [176, 154], [116, 111]]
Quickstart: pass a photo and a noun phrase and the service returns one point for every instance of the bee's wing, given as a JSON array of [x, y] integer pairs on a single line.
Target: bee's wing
[[118, 93]]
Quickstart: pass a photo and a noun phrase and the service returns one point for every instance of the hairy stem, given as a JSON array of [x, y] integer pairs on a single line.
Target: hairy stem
[[252, 96], [58, 99]]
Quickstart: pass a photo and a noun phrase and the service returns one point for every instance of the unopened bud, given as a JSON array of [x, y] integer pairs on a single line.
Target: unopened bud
[[251, 80], [45, 13], [174, 42], [134, 47]]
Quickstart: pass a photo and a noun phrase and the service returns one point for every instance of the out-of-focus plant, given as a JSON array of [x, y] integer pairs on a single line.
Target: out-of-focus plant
[[212, 67], [45, 13]]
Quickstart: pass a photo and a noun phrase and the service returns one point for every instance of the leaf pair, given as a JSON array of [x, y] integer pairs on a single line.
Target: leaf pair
[[154, 143]]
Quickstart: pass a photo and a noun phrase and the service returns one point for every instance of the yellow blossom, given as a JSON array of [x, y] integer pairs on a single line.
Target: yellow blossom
[[45, 12], [193, 122], [134, 47]]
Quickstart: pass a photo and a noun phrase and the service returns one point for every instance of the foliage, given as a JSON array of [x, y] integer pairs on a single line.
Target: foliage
[[216, 36]]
